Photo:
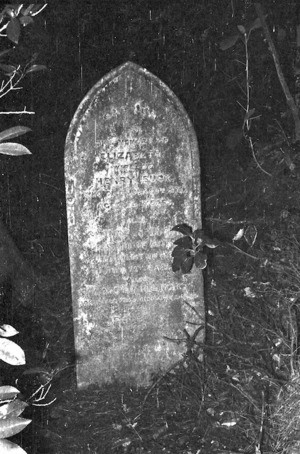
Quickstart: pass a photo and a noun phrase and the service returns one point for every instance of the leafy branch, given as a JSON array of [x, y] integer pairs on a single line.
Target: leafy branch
[[11, 407], [15, 16], [189, 249], [289, 98], [12, 18], [244, 34]]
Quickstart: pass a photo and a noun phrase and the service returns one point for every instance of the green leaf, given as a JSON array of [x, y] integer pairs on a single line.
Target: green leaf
[[7, 331], [8, 392], [241, 29], [27, 11], [187, 265], [178, 251], [13, 30], [249, 113], [7, 69], [9, 10], [198, 235], [201, 260], [35, 68], [255, 24], [212, 243], [183, 260], [4, 52], [11, 353], [36, 9], [13, 149], [186, 242], [12, 409], [228, 42], [15, 131], [8, 447], [250, 235], [185, 229], [37, 370], [12, 426], [176, 265], [26, 20]]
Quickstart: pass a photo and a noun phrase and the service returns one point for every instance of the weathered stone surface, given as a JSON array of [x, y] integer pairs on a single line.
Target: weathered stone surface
[[132, 173]]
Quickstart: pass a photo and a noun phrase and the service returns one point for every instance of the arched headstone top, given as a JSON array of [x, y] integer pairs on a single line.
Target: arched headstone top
[[129, 72], [130, 82]]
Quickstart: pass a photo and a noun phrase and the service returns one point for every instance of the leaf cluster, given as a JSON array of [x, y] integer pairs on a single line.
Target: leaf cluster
[[11, 407], [12, 148], [15, 16], [14, 71], [189, 249], [12, 17], [245, 32]]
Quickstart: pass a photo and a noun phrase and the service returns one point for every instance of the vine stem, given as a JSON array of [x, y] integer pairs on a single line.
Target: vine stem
[[289, 98]]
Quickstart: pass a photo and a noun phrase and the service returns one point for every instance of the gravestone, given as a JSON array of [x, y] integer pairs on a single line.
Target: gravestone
[[132, 173]]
